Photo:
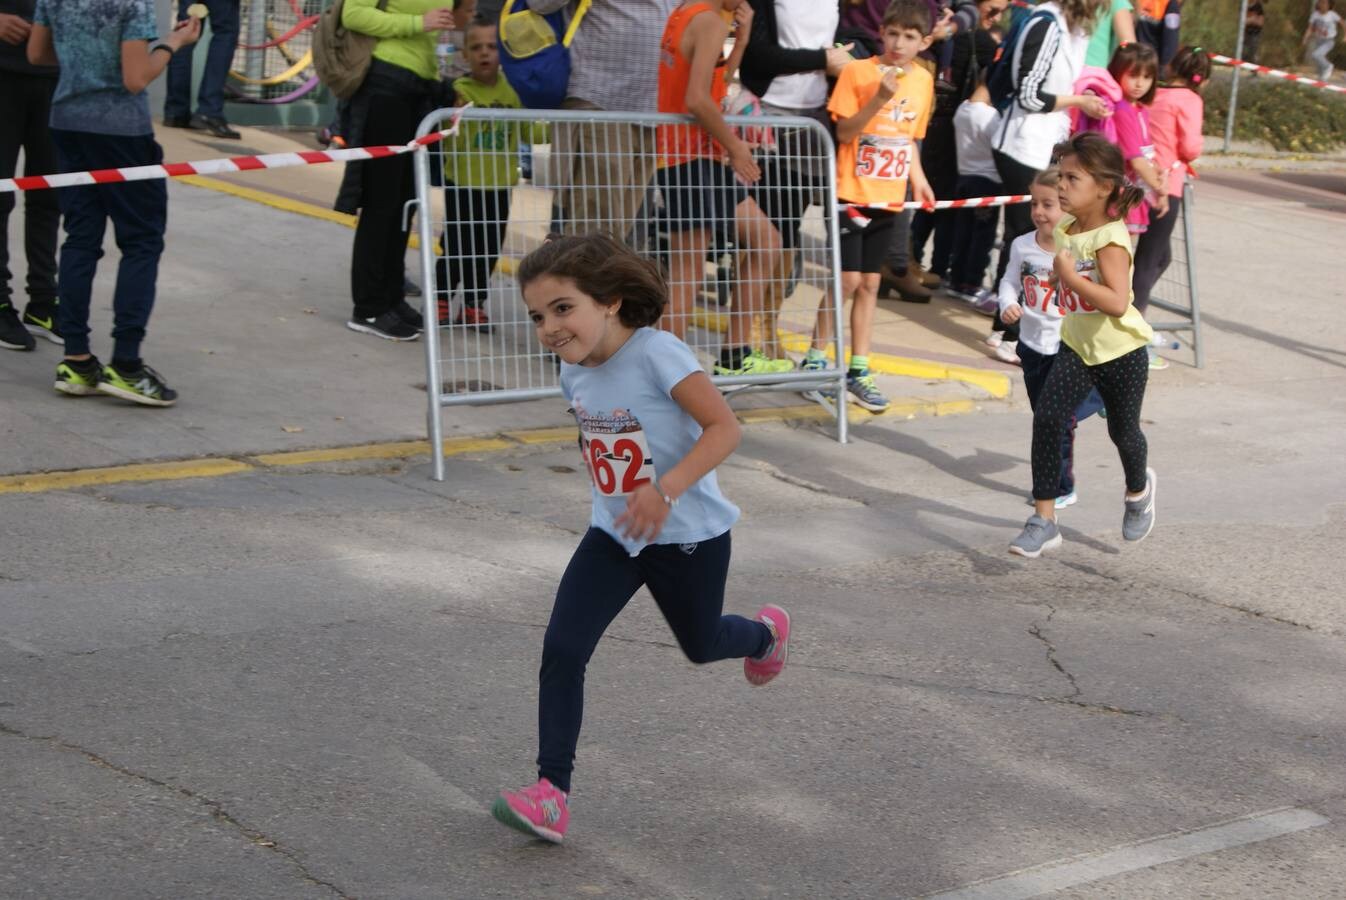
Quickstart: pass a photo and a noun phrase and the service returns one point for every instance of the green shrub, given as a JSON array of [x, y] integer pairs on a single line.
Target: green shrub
[[1290, 117]]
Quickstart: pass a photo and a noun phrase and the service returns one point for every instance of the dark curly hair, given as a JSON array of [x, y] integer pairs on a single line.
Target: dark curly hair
[[1101, 159], [605, 269]]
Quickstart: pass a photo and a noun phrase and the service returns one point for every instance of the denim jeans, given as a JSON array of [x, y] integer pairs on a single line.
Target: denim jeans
[[223, 38], [139, 214]]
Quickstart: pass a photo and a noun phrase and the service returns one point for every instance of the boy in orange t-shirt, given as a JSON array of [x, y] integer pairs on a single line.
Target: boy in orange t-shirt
[[881, 106]]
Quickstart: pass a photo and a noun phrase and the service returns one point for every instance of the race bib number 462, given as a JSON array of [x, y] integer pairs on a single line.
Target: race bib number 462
[[618, 462], [887, 159]]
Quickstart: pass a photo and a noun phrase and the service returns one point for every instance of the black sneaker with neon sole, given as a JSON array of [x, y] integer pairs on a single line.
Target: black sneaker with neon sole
[[42, 323], [144, 386], [79, 378]]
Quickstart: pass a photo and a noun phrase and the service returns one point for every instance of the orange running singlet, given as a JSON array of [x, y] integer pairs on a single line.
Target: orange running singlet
[[681, 143]]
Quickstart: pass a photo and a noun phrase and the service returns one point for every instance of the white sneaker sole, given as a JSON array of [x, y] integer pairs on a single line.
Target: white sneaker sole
[[1049, 544], [113, 391], [75, 390], [37, 331]]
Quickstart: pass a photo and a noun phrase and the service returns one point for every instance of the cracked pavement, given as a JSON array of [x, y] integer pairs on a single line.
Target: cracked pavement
[[312, 682]]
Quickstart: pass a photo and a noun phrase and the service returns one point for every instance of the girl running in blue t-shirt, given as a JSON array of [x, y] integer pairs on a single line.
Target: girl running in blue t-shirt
[[652, 430]]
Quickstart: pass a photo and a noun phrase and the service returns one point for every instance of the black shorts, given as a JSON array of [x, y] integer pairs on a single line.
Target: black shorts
[[702, 193], [863, 249]]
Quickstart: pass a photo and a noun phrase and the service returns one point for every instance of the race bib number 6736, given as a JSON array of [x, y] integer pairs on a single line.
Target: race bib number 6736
[[618, 462]]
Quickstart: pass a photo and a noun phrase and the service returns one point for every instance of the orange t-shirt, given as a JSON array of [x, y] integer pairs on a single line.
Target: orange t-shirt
[[872, 167], [682, 143]]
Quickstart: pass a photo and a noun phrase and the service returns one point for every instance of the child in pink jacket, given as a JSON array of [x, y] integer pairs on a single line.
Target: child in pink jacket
[[1175, 129]]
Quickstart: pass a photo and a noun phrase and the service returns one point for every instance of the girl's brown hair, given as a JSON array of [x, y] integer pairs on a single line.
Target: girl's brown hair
[[1083, 14], [1049, 177], [605, 269], [1139, 58], [1191, 65], [1103, 161]]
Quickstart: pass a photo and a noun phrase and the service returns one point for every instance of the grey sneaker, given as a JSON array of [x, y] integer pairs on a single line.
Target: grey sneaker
[[1138, 519], [1039, 534]]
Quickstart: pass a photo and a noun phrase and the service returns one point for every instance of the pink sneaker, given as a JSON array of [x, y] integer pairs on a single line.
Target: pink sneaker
[[761, 669], [540, 810]]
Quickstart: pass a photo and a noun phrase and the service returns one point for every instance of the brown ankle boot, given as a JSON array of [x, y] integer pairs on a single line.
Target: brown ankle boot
[[908, 286]]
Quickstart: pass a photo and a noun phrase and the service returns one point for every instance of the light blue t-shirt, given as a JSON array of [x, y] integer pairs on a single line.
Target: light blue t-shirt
[[632, 430], [88, 36]]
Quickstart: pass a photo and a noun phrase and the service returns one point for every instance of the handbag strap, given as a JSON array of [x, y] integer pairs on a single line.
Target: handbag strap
[[575, 22]]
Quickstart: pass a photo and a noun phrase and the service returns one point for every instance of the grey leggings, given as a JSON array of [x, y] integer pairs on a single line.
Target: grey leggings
[[1121, 384]]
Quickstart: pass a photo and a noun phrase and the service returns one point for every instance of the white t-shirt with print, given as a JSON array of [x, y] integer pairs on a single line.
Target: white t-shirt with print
[[1324, 25], [1026, 283], [632, 431]]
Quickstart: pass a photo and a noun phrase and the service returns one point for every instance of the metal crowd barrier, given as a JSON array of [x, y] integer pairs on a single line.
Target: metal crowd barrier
[[763, 280], [1176, 290]]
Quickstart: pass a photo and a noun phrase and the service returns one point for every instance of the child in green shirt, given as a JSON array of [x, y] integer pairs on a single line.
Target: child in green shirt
[[480, 170]]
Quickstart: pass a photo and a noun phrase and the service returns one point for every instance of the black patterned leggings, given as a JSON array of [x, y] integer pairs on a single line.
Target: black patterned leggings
[[1121, 384]]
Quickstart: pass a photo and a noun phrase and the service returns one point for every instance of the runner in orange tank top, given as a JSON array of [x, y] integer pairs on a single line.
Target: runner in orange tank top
[[699, 190]]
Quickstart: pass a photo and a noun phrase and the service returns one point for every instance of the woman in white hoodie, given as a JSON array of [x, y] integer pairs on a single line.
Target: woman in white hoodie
[[1047, 58]]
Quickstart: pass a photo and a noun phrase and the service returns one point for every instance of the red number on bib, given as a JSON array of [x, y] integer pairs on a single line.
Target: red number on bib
[[630, 451], [604, 476]]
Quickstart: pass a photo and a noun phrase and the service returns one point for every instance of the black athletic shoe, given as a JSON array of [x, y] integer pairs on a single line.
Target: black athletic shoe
[[13, 336], [408, 313], [144, 386], [40, 320], [389, 326], [178, 121]]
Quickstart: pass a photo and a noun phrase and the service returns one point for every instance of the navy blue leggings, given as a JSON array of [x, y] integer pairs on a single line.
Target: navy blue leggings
[[687, 581]]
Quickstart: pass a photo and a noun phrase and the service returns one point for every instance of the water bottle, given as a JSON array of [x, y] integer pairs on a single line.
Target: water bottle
[[444, 50]]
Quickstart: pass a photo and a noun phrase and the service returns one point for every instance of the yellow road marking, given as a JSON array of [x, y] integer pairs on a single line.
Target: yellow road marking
[[563, 435], [393, 450], [39, 482]]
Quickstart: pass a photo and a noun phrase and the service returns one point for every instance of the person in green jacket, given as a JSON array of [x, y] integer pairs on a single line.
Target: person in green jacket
[[401, 88], [481, 167]]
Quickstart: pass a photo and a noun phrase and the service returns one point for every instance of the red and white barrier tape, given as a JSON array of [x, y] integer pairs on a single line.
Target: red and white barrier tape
[[1003, 200], [1275, 73], [214, 166]]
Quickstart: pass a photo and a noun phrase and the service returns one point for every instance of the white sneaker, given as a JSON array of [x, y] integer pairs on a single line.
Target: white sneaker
[[993, 339], [1005, 352]]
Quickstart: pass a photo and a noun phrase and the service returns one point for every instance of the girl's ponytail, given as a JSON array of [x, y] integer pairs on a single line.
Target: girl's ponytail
[[1191, 65], [1124, 198]]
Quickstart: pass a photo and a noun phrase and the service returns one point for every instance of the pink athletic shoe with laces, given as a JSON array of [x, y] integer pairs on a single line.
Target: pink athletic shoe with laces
[[761, 669], [540, 810]]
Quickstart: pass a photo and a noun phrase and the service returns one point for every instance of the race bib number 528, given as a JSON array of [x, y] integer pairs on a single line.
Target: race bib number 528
[[618, 463], [887, 159]]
